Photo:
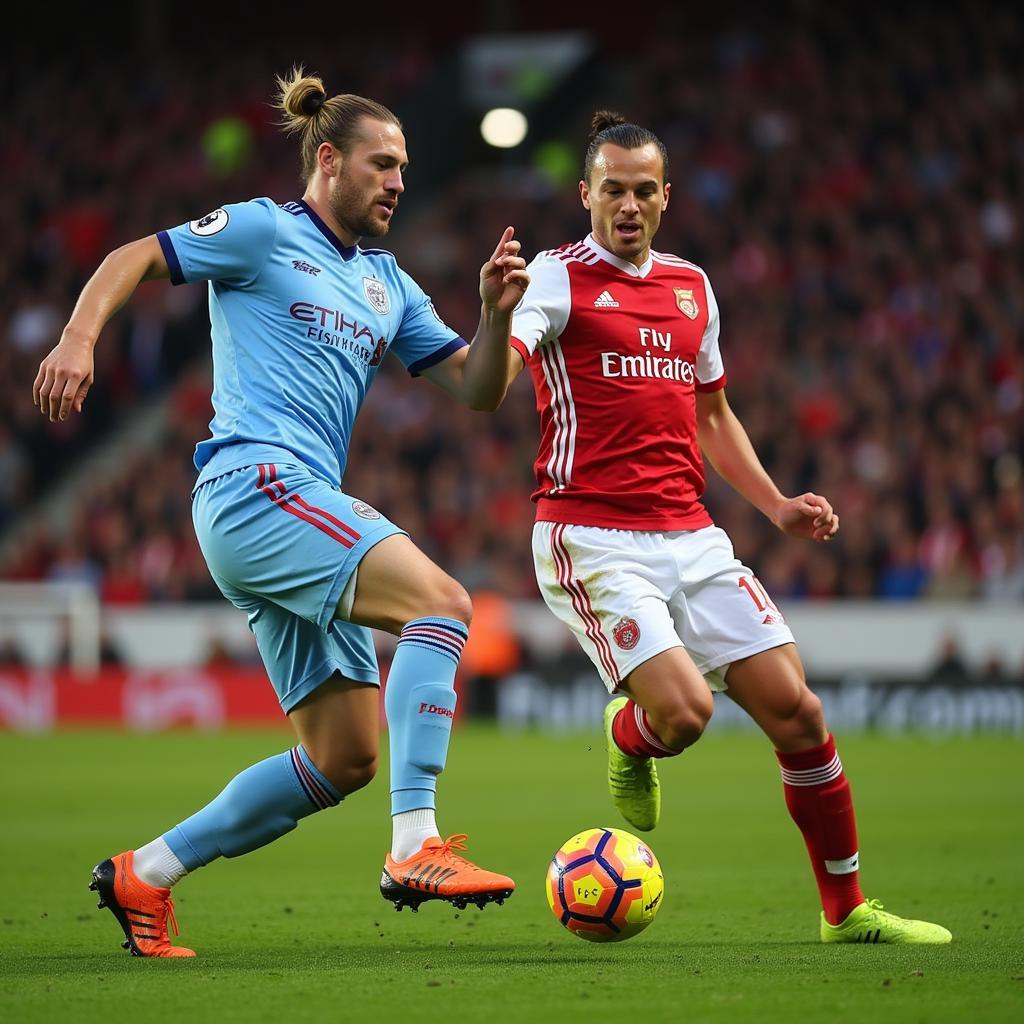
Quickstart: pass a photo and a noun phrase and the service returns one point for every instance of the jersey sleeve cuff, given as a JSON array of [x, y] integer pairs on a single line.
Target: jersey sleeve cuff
[[437, 356], [712, 385], [520, 348], [173, 264]]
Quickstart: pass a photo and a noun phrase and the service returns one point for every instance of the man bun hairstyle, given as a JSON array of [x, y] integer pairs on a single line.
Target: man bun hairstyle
[[603, 119], [610, 126], [312, 102], [307, 111]]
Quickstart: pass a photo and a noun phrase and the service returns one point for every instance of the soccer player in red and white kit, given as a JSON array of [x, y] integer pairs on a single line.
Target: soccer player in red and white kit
[[622, 345]]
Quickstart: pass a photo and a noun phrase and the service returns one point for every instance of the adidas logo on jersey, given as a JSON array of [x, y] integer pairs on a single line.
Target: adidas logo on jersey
[[605, 301]]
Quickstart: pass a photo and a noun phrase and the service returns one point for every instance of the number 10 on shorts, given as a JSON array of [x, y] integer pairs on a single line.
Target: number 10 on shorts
[[752, 585]]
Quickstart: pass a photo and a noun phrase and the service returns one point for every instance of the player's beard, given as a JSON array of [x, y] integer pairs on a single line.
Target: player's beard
[[347, 204]]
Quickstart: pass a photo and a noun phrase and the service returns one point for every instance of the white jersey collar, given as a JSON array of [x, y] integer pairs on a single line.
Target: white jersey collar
[[624, 265]]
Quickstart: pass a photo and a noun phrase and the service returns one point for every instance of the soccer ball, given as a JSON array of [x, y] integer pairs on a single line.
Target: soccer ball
[[605, 885]]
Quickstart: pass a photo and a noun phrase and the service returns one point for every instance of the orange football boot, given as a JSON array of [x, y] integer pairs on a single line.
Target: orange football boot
[[438, 873], [141, 910]]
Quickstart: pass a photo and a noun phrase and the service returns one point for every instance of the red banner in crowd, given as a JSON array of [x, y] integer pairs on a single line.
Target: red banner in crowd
[[34, 700]]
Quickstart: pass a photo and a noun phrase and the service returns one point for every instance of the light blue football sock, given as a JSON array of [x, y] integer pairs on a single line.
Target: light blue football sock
[[420, 704], [256, 807]]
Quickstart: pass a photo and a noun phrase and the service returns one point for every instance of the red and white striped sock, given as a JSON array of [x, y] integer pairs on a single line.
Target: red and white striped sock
[[819, 801], [633, 734]]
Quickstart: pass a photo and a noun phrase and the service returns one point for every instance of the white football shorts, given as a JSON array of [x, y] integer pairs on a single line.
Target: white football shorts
[[628, 595]]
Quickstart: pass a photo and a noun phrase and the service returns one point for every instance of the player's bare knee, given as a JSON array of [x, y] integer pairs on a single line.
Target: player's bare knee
[[458, 603], [684, 724], [801, 723], [346, 770], [810, 717], [360, 774], [353, 773], [448, 598]]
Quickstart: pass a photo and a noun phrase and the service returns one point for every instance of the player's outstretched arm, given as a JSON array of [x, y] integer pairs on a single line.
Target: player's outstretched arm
[[728, 449], [480, 375], [65, 375]]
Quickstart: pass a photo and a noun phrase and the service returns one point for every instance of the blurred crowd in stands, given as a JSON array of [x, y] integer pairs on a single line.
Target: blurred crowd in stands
[[854, 187]]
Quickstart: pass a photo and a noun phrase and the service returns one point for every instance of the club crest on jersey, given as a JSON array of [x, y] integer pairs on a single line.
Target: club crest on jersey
[[626, 633], [376, 295], [686, 302], [213, 222], [365, 511]]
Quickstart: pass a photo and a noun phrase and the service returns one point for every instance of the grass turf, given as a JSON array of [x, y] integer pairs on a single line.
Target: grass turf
[[298, 930]]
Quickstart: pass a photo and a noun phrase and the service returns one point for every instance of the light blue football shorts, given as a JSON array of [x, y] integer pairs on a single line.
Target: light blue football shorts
[[282, 544]]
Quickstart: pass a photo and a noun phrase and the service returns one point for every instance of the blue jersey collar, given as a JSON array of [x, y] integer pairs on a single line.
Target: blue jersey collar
[[346, 251]]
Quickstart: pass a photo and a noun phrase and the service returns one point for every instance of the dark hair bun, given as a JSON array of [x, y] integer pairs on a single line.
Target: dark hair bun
[[603, 119], [312, 102]]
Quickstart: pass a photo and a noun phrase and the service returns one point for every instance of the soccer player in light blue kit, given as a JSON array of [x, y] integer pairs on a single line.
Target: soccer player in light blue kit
[[302, 317]]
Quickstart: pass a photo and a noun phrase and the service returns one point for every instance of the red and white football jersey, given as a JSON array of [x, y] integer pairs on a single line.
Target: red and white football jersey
[[616, 353]]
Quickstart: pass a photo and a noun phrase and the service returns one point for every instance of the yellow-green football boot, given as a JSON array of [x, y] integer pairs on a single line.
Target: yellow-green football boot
[[632, 781], [870, 923]]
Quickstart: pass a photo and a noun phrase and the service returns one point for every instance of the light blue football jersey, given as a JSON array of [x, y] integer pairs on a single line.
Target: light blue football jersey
[[300, 324]]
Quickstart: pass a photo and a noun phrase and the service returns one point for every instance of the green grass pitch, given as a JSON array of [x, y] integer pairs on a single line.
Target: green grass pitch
[[297, 931]]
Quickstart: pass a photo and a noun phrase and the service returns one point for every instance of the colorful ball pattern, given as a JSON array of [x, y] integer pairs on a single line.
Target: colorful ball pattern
[[605, 885]]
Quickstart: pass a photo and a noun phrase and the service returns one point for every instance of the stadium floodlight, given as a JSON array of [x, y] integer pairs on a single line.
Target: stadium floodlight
[[504, 127]]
